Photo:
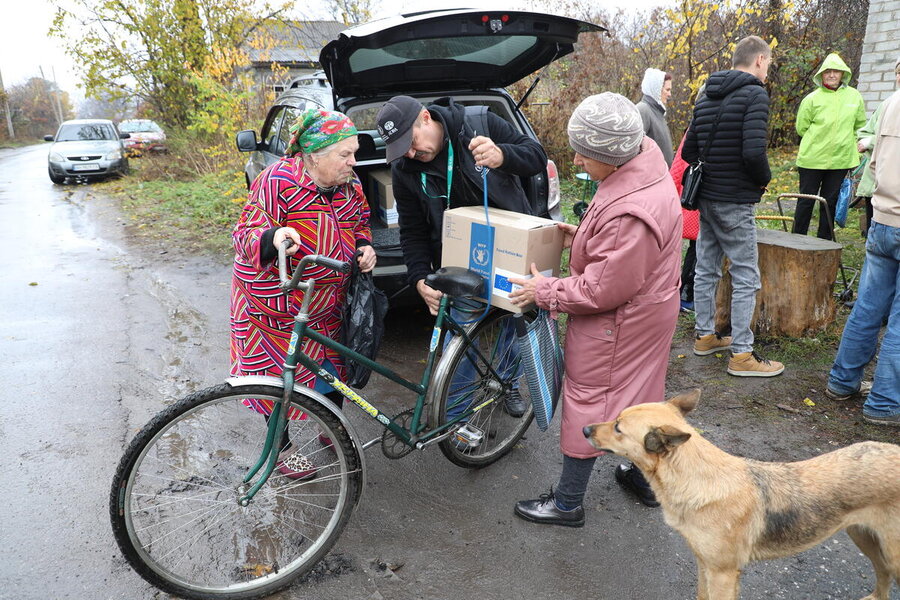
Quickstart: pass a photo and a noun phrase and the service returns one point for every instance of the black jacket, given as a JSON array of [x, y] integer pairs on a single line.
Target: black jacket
[[421, 214], [737, 167]]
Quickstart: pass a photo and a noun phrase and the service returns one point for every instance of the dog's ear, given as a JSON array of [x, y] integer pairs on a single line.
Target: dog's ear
[[660, 440], [687, 401]]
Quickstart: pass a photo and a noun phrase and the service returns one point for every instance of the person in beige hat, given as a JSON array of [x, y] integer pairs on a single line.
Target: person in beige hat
[[621, 296]]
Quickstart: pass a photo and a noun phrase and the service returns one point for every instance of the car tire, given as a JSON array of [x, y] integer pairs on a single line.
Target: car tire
[[55, 178]]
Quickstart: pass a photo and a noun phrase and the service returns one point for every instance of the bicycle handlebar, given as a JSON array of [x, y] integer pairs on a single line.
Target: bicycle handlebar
[[293, 281]]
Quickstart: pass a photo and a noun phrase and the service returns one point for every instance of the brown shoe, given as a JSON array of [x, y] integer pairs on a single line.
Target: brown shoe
[[748, 364], [710, 344]]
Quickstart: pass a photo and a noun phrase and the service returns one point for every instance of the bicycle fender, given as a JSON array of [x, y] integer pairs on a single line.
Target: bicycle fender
[[302, 389]]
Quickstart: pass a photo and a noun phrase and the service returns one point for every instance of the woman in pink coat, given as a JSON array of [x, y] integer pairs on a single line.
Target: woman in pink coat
[[621, 297]]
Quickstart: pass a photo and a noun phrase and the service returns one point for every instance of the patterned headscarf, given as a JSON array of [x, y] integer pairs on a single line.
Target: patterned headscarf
[[315, 129]]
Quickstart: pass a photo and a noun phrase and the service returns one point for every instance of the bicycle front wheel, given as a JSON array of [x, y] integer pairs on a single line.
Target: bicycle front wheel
[[174, 501], [471, 379]]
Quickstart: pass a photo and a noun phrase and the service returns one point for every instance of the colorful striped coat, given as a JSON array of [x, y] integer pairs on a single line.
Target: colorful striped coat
[[284, 195]]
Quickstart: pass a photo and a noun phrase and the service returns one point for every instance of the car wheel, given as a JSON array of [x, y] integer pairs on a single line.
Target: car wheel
[[55, 178]]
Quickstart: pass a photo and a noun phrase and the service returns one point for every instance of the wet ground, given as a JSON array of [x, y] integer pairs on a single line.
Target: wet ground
[[100, 328]]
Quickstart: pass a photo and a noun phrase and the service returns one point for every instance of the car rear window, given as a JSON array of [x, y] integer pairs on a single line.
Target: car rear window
[[493, 50], [78, 133], [364, 116], [139, 126]]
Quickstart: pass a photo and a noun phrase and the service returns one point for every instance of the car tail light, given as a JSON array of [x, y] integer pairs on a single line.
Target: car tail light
[[553, 196]]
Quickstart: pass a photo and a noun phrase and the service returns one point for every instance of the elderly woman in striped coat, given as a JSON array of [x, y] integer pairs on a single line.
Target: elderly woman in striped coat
[[312, 197]]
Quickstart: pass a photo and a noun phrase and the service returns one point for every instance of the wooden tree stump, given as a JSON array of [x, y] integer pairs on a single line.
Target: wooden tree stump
[[797, 275]]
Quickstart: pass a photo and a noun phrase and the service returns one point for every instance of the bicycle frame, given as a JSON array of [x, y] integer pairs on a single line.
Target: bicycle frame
[[415, 436]]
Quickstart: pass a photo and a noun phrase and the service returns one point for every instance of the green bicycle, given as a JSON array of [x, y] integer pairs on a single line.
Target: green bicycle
[[198, 505]]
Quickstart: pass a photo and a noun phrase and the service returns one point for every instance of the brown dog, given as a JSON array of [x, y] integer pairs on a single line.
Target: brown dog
[[732, 510]]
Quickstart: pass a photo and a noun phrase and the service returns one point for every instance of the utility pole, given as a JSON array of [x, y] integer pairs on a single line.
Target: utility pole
[[9, 125], [53, 105], [58, 93]]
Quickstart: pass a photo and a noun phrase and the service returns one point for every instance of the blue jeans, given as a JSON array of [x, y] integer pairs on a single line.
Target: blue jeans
[[465, 383], [727, 229], [878, 296]]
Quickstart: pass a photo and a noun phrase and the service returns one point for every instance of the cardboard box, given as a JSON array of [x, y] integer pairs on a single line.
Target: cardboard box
[[381, 193], [518, 241]]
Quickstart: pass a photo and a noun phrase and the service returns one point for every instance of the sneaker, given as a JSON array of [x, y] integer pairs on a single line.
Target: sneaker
[[749, 364], [864, 388], [296, 466], [890, 420], [687, 306], [546, 510], [325, 440], [711, 343], [514, 404], [631, 478]]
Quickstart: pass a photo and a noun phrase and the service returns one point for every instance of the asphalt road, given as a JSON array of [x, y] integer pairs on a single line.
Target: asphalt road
[[97, 334]]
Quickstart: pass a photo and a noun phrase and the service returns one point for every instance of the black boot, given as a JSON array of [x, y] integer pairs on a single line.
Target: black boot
[[545, 510], [631, 478]]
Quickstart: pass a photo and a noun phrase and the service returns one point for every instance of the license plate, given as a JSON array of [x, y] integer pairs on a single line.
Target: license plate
[[91, 167]]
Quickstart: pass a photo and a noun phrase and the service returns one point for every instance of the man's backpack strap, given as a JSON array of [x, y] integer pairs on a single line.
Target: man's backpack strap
[[476, 117]]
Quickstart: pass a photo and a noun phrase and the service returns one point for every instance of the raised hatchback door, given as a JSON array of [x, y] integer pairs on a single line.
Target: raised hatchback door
[[439, 51]]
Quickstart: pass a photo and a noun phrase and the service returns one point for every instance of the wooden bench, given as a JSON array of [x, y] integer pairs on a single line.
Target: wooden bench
[[797, 274]]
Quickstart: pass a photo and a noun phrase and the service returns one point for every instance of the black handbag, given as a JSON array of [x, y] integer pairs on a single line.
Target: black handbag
[[362, 326], [693, 175]]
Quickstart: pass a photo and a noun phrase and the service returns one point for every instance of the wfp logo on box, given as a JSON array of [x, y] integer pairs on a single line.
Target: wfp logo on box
[[481, 255]]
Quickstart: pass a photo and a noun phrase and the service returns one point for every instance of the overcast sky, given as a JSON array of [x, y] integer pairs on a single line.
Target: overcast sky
[[25, 47]]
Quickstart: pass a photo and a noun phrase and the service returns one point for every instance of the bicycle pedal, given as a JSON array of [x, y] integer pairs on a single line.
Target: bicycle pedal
[[469, 435]]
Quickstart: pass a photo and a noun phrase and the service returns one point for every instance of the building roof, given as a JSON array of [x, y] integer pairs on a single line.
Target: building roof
[[297, 41]]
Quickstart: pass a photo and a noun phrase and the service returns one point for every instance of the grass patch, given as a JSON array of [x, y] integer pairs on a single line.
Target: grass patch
[[198, 213], [18, 143]]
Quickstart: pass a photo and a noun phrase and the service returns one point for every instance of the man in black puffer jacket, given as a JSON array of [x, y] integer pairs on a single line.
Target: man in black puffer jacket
[[732, 118]]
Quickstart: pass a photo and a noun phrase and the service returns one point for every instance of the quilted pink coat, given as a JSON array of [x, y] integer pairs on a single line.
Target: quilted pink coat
[[621, 297]]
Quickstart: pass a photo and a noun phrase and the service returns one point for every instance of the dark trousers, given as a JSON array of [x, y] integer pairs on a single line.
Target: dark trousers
[[687, 272], [818, 182], [574, 479]]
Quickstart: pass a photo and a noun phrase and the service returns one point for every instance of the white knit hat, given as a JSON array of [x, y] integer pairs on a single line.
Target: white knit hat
[[606, 127]]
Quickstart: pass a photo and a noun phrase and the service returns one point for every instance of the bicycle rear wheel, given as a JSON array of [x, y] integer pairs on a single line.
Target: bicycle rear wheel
[[174, 500], [466, 381]]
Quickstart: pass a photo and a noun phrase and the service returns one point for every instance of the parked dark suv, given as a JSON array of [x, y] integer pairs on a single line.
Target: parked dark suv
[[467, 54]]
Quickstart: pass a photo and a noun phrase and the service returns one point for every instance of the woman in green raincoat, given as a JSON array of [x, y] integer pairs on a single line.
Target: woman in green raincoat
[[827, 122]]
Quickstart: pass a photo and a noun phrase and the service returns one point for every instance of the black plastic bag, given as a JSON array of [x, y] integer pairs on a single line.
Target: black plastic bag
[[362, 327]]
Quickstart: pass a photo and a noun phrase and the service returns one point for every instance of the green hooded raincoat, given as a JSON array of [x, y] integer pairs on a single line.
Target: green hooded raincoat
[[827, 122]]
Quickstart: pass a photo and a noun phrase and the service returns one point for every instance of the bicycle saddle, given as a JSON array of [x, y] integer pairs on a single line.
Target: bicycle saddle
[[456, 281]]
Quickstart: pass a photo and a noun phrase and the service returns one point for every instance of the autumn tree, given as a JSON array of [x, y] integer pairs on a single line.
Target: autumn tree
[[33, 106], [159, 50]]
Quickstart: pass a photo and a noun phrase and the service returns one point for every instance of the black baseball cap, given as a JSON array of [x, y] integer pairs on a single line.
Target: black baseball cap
[[395, 121]]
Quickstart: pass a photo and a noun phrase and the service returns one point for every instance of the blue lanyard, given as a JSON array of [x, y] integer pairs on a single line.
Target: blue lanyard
[[449, 176]]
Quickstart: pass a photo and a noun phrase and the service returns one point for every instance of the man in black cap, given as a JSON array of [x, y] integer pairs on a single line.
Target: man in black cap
[[437, 155]]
